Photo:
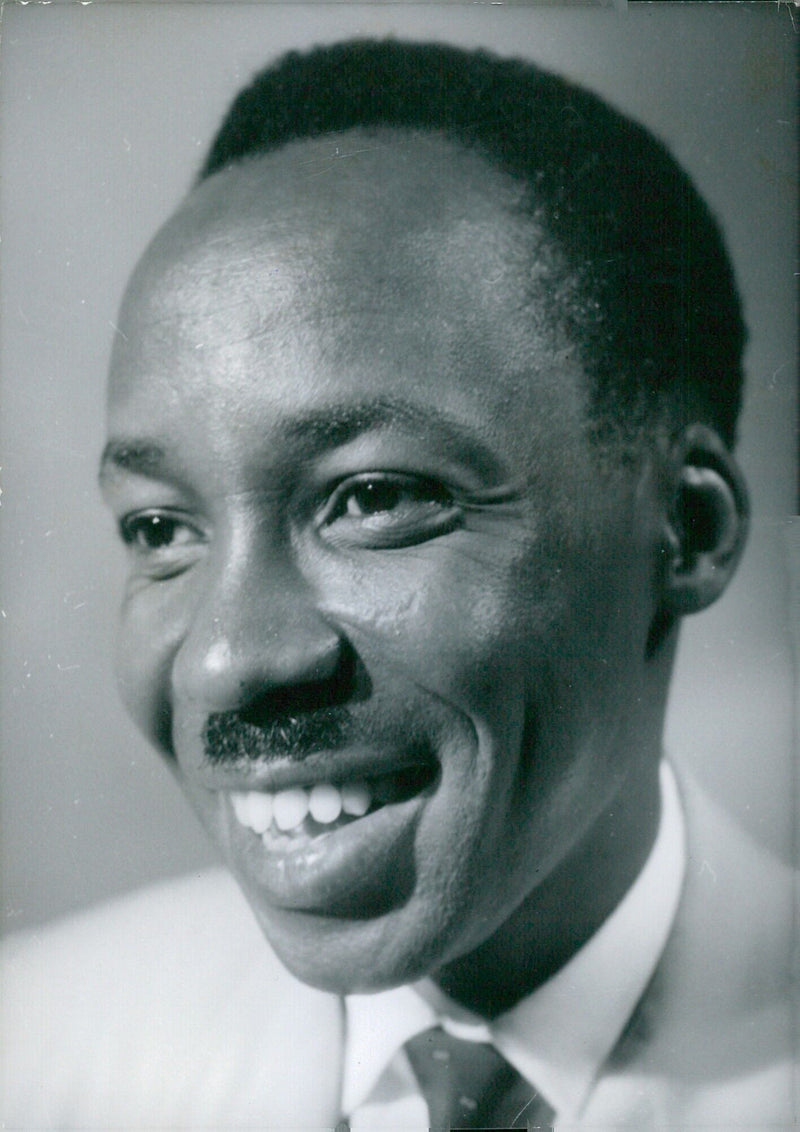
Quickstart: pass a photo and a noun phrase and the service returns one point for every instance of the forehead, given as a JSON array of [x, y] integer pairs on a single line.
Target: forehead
[[362, 191], [376, 258]]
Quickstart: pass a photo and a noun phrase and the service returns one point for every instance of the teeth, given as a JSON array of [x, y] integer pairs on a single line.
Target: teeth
[[287, 809], [241, 807], [290, 808], [324, 803], [356, 799], [261, 806]]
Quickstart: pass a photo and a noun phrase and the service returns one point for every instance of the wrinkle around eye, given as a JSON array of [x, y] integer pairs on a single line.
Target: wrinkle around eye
[[383, 510]]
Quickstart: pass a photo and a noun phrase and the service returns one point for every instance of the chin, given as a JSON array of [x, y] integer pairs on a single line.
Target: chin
[[350, 956]]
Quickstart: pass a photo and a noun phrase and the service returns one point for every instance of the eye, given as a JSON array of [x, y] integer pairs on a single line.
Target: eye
[[388, 509], [164, 544]]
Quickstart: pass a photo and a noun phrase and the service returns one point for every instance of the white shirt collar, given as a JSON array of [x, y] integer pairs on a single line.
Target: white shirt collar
[[559, 1036]]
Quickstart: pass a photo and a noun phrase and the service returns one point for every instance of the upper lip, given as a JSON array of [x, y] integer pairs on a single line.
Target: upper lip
[[321, 767]]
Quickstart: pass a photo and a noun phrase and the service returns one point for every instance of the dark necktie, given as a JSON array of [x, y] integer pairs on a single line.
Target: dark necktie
[[471, 1085]]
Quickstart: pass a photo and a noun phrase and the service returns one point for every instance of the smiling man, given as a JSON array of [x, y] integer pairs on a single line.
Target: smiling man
[[420, 429]]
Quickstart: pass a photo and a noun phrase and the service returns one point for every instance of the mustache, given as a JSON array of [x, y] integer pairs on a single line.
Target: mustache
[[228, 737]]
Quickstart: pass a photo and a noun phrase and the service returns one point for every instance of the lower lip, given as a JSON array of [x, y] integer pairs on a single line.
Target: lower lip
[[353, 870]]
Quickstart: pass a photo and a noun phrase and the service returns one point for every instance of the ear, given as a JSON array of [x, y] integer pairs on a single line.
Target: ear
[[707, 521]]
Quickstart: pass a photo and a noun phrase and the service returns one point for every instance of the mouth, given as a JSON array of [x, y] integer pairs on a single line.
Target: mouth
[[313, 842], [301, 812]]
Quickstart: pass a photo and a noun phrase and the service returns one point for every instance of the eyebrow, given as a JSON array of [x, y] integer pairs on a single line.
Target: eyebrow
[[144, 457], [335, 425], [317, 431]]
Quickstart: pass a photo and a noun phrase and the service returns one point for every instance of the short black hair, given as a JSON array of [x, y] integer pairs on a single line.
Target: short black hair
[[655, 312]]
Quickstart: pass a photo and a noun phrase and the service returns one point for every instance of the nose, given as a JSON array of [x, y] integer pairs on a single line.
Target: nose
[[256, 630]]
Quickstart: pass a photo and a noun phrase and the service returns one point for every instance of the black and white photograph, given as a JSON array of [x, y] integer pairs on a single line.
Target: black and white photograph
[[399, 566]]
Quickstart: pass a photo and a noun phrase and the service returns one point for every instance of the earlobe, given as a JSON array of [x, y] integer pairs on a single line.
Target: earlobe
[[707, 524]]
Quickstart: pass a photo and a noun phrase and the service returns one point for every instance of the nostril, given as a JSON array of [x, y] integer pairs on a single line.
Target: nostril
[[347, 683], [297, 700]]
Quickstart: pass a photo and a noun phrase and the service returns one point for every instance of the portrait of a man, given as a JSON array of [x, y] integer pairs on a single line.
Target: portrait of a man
[[420, 444]]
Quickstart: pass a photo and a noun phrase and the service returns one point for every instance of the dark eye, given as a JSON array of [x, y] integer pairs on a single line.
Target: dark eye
[[387, 509], [371, 497], [165, 544]]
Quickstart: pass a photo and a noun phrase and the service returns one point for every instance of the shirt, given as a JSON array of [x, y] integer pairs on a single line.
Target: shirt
[[559, 1036]]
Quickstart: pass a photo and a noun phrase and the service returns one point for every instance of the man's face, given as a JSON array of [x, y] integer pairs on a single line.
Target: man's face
[[372, 563]]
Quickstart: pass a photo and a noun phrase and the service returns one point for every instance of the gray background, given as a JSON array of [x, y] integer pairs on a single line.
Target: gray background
[[107, 109]]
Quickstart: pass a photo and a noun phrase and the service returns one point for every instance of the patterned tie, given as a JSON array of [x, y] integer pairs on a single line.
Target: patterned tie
[[471, 1085]]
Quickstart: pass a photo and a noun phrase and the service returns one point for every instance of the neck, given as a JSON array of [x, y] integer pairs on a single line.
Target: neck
[[564, 912]]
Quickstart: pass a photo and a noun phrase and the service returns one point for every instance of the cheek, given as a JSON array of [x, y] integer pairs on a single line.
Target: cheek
[[457, 618], [149, 634]]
